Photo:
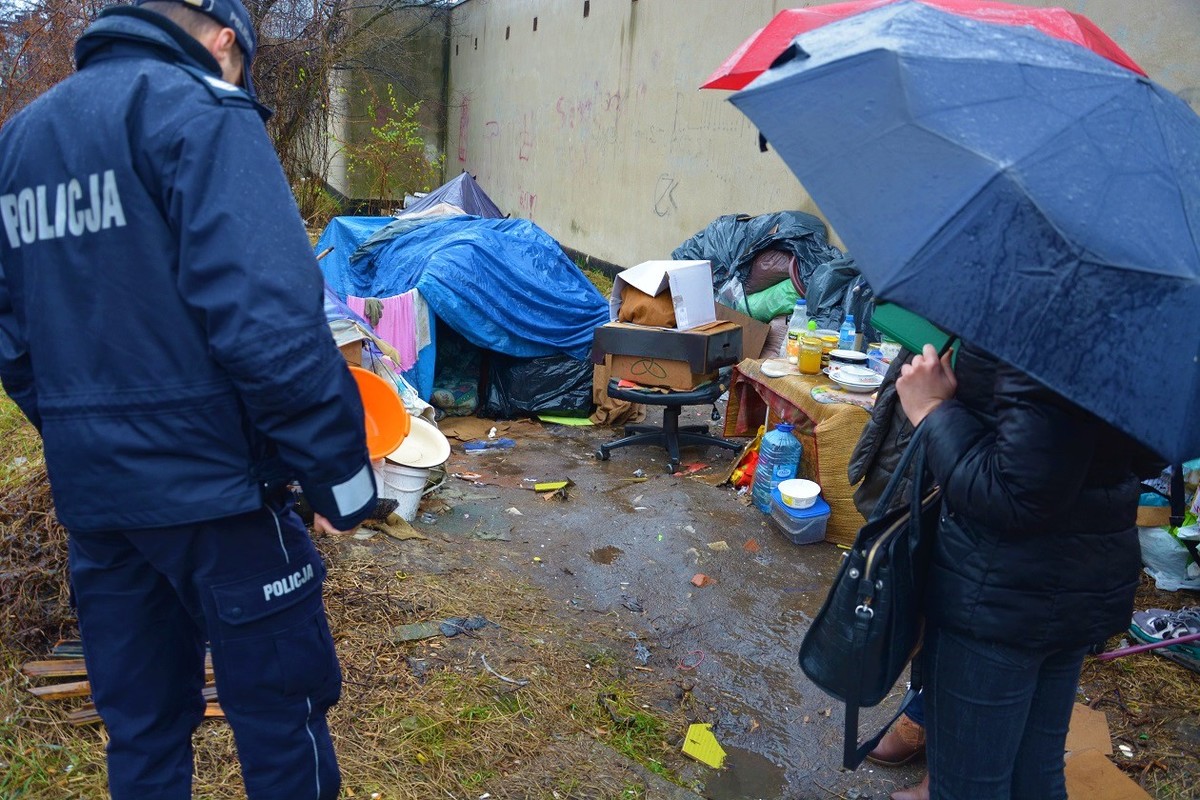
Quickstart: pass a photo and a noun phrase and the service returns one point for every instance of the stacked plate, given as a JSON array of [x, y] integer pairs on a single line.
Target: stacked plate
[[856, 379]]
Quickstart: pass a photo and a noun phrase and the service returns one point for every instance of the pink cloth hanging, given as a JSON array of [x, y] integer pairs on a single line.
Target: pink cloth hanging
[[397, 326]]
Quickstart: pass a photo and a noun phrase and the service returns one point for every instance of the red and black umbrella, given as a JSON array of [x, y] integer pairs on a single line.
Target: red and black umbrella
[[755, 54]]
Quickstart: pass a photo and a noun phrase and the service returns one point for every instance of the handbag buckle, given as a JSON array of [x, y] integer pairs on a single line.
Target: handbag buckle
[[864, 611]]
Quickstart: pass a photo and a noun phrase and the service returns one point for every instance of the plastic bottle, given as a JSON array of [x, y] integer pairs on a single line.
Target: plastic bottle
[[797, 326], [778, 460], [846, 334]]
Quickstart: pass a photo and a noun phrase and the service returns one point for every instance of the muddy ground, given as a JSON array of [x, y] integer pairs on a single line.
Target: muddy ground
[[626, 550]]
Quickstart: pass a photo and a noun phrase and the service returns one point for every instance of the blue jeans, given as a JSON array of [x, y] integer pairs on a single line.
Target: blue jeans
[[996, 717]]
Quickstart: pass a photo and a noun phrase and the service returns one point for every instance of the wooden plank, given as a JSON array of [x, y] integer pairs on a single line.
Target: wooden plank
[[58, 691], [62, 668], [87, 715]]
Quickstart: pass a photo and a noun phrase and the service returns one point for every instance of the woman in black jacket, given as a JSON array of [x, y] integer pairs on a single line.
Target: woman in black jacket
[[1036, 559]]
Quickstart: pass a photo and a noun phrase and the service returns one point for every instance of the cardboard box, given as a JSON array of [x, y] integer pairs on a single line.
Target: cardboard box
[[690, 284], [352, 352], [666, 358], [754, 333]]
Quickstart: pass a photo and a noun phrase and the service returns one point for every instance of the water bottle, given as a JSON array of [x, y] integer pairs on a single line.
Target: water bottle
[[797, 327], [846, 334], [778, 460]]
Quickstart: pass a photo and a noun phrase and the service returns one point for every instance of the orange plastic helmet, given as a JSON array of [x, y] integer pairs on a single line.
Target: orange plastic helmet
[[386, 418]]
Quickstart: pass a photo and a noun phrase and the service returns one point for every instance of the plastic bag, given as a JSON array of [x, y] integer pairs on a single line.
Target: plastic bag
[[547, 385], [770, 303], [1167, 560]]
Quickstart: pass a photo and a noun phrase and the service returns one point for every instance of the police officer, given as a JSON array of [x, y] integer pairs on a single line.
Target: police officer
[[161, 324]]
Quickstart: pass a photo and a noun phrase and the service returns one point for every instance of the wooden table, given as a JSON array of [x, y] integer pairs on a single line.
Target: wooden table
[[827, 432]]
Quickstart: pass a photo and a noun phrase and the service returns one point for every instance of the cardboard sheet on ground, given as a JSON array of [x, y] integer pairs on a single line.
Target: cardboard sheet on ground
[[1089, 731], [1091, 776], [467, 428]]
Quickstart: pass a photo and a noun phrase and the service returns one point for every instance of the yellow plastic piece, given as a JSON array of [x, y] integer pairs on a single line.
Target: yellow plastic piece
[[551, 486], [701, 745]]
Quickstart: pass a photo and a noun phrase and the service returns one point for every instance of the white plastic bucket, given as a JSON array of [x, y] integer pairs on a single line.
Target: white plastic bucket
[[402, 484]]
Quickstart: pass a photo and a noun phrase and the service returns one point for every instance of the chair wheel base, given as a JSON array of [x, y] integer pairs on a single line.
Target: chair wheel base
[[602, 455]]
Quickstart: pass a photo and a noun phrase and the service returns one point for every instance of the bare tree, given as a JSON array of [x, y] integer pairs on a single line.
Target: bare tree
[[303, 45]]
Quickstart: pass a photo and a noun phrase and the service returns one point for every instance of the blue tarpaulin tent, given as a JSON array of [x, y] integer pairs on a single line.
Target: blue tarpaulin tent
[[503, 284]]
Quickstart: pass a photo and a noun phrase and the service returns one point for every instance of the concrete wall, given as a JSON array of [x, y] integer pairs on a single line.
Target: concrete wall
[[595, 129]]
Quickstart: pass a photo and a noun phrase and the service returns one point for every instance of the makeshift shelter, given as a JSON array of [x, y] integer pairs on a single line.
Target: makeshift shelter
[[501, 286], [462, 193]]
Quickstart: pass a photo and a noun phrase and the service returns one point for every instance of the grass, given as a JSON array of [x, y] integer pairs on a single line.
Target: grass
[[600, 280]]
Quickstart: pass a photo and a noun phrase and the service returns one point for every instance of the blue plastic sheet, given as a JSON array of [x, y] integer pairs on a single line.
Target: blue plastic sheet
[[504, 284]]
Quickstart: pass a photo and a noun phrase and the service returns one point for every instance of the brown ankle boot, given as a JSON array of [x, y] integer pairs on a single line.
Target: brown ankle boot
[[918, 792], [900, 745]]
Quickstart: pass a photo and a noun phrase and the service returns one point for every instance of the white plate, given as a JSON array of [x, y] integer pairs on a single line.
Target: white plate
[[856, 387]]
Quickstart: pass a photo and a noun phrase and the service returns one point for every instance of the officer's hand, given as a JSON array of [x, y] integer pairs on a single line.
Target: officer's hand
[[322, 525]]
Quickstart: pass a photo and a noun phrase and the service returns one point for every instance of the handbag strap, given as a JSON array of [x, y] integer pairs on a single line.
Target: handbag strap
[[915, 449], [852, 752]]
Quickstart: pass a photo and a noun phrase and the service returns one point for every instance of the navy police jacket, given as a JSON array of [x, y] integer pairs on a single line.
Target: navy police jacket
[[161, 310]]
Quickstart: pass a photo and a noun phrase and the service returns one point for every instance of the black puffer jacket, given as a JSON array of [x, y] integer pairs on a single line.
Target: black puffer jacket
[[1037, 545]]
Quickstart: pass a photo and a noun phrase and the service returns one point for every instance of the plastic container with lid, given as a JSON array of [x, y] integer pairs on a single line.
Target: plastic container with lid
[[800, 525]]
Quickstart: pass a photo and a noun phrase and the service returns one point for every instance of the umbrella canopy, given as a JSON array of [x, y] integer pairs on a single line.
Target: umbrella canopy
[[757, 53], [1026, 194]]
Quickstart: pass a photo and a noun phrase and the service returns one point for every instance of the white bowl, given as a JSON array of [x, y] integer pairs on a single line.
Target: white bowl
[[798, 492], [859, 375]]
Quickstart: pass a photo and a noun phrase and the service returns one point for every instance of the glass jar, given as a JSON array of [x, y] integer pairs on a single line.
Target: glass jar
[[810, 355]]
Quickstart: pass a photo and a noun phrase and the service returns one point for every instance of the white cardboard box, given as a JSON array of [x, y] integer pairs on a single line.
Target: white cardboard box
[[690, 284]]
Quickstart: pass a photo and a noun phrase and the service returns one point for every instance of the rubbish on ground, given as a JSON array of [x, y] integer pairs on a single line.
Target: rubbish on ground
[[397, 528], [689, 529], [428, 518], [639, 473], [686, 667], [632, 604], [477, 446], [641, 653], [701, 580], [466, 476], [516, 512], [691, 469], [719, 547], [751, 546], [703, 746], [537, 559], [553, 490], [554, 419], [456, 625], [415, 631], [488, 667]]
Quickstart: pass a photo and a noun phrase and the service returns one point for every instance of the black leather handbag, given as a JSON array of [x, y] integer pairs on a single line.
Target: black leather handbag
[[871, 625]]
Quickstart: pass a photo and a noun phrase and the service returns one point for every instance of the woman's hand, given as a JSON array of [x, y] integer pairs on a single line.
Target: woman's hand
[[925, 383]]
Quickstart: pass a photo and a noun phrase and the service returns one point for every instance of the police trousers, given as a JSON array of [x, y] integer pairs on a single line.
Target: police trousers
[[248, 585]]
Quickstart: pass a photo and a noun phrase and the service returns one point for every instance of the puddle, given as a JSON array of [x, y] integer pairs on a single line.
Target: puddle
[[605, 555], [746, 776]]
